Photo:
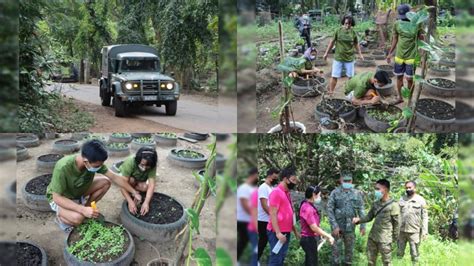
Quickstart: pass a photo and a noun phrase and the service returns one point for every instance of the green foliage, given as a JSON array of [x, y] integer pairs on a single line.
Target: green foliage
[[117, 145], [121, 135], [98, 242], [131, 27], [96, 137], [406, 92], [144, 140], [189, 154], [168, 135]]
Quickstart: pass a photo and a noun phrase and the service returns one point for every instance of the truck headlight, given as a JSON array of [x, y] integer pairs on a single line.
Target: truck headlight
[[128, 86], [169, 86]]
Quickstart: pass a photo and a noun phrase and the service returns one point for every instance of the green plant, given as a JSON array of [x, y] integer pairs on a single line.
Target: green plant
[[121, 135], [144, 140], [167, 135], [117, 145], [98, 242], [189, 154], [95, 137]]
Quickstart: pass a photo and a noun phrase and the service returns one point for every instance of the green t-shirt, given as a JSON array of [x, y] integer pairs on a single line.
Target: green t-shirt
[[346, 40], [307, 64], [130, 169], [406, 45], [69, 181], [360, 84]]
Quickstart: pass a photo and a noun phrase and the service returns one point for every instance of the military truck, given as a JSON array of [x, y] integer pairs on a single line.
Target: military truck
[[130, 75]]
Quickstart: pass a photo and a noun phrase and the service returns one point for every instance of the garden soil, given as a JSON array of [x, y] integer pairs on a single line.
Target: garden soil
[[173, 181]]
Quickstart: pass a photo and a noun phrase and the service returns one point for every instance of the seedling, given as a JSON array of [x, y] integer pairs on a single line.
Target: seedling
[[168, 135], [121, 135], [144, 140], [117, 145], [189, 154]]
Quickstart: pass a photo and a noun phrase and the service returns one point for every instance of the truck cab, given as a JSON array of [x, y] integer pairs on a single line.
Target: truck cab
[[131, 77]]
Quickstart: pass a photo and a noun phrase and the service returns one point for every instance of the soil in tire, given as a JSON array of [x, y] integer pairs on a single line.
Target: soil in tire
[[27, 254], [163, 210], [336, 104], [39, 184], [443, 83], [66, 142], [435, 109], [7, 253], [50, 157]]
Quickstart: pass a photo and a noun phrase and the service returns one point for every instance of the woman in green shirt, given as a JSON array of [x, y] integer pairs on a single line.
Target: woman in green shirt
[[346, 40], [140, 170]]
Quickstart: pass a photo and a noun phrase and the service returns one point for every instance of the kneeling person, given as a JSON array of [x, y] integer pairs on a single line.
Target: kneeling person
[[360, 90], [140, 170], [74, 186]]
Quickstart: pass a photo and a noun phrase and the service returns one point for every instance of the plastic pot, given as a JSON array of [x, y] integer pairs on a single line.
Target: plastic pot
[[277, 128]]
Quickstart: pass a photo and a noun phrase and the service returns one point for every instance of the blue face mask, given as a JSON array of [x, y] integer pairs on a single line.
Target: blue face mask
[[378, 195], [93, 169], [317, 201], [347, 185]]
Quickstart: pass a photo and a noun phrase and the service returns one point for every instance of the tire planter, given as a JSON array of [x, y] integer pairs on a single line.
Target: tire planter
[[221, 136], [220, 161], [386, 90], [155, 232], [439, 71], [447, 62], [309, 87], [378, 55], [95, 137], [434, 116], [66, 146], [464, 87], [319, 61], [24, 249], [116, 167], [21, 153], [118, 152], [137, 145], [300, 128], [10, 192], [161, 262], [140, 135], [167, 141], [28, 140], [386, 68], [381, 126], [120, 139], [464, 117], [124, 260], [197, 183], [80, 135], [348, 113], [446, 91], [367, 62], [196, 136], [48, 161], [193, 163], [8, 252], [50, 135], [34, 193]]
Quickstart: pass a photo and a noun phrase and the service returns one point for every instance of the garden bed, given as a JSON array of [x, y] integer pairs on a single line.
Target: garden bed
[[34, 193], [343, 108], [28, 140], [440, 87], [143, 142], [118, 149], [439, 71], [309, 87], [66, 146], [165, 219], [21, 153], [378, 55], [187, 158], [434, 115], [166, 139], [47, 162], [120, 138], [378, 117], [367, 62], [29, 254]]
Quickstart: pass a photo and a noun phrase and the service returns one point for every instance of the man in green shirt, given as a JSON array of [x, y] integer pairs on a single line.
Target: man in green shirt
[[140, 170], [360, 90], [386, 227], [74, 186], [405, 42]]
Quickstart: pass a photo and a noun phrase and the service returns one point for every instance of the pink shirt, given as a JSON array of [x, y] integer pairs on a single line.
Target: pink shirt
[[308, 216], [253, 206], [280, 199]]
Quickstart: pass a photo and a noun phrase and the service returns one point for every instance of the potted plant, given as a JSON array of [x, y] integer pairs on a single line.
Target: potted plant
[[120, 138], [29, 253], [187, 158], [143, 142], [380, 118], [47, 162], [118, 149], [101, 138], [434, 115], [166, 139], [21, 153], [34, 193], [94, 242], [27, 140], [440, 87], [66, 146], [310, 87]]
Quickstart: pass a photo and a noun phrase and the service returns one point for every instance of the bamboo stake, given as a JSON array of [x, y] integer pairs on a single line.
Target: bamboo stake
[[284, 128]]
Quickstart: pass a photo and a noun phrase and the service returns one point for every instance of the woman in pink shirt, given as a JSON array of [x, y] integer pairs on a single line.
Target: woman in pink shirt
[[252, 227], [310, 230]]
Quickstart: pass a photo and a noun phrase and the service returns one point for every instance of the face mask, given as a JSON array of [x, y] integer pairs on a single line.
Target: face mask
[[317, 201], [410, 192], [347, 185], [291, 185], [274, 182], [142, 168], [378, 195], [92, 169]]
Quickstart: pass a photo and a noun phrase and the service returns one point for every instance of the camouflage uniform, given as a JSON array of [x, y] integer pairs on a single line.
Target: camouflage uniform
[[414, 224], [343, 205], [384, 231]]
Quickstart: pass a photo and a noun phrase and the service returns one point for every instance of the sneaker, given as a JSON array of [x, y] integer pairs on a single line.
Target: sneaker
[[65, 227]]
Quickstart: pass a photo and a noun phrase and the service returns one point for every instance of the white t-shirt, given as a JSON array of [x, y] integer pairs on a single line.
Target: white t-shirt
[[263, 192], [243, 191]]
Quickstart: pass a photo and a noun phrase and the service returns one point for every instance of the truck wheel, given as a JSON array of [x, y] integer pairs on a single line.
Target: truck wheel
[[106, 99], [121, 108], [171, 108]]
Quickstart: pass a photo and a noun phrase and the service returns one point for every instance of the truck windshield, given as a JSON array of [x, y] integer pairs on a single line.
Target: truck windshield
[[139, 65]]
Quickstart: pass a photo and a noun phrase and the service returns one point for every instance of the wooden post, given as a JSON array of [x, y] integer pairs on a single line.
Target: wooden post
[[86, 71], [286, 113], [424, 69]]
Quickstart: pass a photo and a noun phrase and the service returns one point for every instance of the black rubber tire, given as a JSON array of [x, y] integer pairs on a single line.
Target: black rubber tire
[[378, 56], [80, 135], [438, 91], [196, 136], [136, 146], [28, 140], [438, 72], [221, 136], [124, 260], [10, 192], [367, 62], [431, 125], [379, 126], [118, 152], [141, 135], [156, 233], [66, 148], [161, 261], [320, 62], [386, 90], [305, 91], [113, 139], [115, 167], [105, 97], [390, 73], [21, 153], [348, 116], [47, 166], [220, 161], [44, 256], [35, 202], [121, 108], [171, 108], [447, 62], [185, 162], [165, 141]]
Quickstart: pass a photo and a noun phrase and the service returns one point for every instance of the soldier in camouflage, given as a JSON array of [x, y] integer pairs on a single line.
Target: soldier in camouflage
[[345, 203], [414, 224], [385, 229]]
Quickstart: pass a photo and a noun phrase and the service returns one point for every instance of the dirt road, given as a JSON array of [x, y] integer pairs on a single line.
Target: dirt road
[[195, 113]]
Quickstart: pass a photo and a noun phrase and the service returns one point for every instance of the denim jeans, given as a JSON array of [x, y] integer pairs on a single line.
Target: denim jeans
[[253, 237], [277, 259]]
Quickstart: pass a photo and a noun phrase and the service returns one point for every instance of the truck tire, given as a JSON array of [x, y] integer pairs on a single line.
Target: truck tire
[[171, 108], [121, 108], [106, 99]]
